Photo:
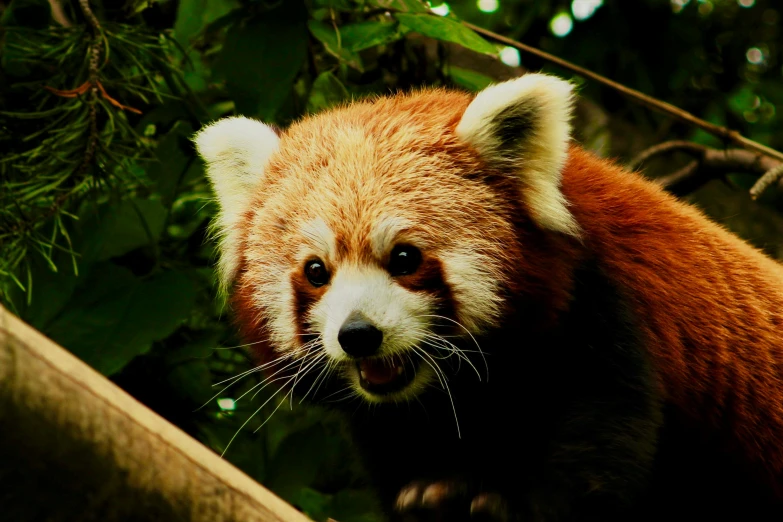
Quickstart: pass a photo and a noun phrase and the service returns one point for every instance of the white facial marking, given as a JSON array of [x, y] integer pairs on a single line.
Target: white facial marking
[[474, 286], [236, 151], [384, 233], [320, 238]]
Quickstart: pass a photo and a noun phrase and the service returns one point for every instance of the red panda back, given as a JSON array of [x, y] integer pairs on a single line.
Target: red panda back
[[710, 304]]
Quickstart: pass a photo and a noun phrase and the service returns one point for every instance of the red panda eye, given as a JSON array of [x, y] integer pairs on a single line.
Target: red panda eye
[[316, 272], [404, 260]]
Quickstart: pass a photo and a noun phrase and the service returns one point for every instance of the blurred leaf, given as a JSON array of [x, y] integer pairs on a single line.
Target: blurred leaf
[[332, 39], [190, 375], [743, 99], [348, 505], [298, 460], [472, 80], [315, 504], [355, 505], [50, 290], [326, 92], [173, 156], [363, 35], [194, 15], [115, 316], [447, 30], [411, 6], [247, 449], [262, 56], [116, 229]]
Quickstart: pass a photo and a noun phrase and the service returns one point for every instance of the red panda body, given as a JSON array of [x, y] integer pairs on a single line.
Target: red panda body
[[712, 305], [621, 356]]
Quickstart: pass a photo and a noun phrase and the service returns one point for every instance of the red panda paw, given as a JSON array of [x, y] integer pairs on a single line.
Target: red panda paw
[[449, 501]]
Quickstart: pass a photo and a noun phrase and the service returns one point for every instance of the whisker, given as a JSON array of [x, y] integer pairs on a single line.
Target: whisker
[[446, 386], [253, 415], [238, 378], [302, 372], [325, 371], [458, 351], [247, 345], [331, 366], [486, 366], [256, 368]]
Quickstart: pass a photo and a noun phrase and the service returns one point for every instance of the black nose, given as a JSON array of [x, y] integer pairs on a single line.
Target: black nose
[[359, 337]]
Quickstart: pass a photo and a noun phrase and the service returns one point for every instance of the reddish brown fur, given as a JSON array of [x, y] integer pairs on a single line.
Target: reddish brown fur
[[712, 305]]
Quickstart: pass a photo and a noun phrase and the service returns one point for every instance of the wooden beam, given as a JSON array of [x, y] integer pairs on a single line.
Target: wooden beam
[[74, 446]]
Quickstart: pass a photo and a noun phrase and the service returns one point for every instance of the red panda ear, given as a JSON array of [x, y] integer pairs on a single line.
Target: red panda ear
[[236, 151], [522, 126]]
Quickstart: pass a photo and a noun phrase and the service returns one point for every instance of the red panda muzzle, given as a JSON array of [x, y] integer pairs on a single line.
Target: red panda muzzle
[[384, 375]]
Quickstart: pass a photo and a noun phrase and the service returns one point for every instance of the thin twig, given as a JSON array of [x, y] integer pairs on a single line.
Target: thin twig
[[95, 55], [683, 181], [710, 164], [647, 101], [58, 13], [773, 175], [685, 146]]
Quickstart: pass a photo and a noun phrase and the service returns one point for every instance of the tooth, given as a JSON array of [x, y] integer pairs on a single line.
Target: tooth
[[362, 375], [399, 370]]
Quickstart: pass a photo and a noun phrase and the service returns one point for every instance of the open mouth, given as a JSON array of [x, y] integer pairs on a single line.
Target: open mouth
[[383, 375]]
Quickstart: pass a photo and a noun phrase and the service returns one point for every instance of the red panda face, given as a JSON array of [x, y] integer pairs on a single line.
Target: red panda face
[[371, 235]]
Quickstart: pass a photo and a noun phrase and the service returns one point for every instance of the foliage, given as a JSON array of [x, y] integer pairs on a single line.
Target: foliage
[[104, 206]]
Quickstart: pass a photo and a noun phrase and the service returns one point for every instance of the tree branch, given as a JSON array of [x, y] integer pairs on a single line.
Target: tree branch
[[694, 149], [775, 174], [74, 446], [58, 13], [648, 101], [710, 164]]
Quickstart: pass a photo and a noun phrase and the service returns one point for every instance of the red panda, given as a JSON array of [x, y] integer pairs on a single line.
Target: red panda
[[621, 355]]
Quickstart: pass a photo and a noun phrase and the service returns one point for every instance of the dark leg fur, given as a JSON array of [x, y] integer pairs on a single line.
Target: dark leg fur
[[564, 429], [567, 428]]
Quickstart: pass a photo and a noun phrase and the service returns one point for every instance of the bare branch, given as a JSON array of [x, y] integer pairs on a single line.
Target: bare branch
[[775, 174], [683, 181], [710, 164], [694, 149], [58, 13], [643, 99]]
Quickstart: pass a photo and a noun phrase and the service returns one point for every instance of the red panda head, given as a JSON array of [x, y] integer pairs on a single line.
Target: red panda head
[[365, 232]]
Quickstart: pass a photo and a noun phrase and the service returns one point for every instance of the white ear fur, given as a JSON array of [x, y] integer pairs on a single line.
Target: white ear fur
[[236, 151], [523, 126]]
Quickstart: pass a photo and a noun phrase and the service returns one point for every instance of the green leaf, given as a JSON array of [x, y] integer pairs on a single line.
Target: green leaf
[[50, 291], [447, 30], [363, 35], [194, 15], [116, 229], [298, 460], [115, 316], [331, 38], [314, 504], [355, 505], [326, 92], [261, 58], [405, 6], [173, 155], [469, 79], [743, 99]]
